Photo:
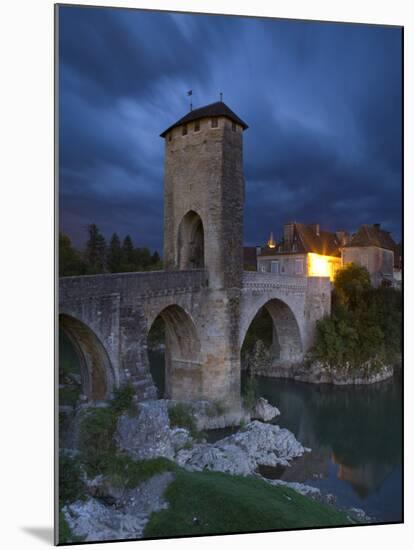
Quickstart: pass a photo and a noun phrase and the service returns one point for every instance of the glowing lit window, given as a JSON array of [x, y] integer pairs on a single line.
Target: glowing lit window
[[319, 266]]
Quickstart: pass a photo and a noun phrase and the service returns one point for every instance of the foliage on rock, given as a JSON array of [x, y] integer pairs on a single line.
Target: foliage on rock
[[181, 416], [365, 325]]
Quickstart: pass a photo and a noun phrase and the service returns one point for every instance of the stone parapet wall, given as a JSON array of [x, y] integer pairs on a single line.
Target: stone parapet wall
[[256, 280], [139, 284]]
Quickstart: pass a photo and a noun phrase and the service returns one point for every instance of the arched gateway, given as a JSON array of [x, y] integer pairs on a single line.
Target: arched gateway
[[191, 242], [95, 366], [182, 353], [206, 300]]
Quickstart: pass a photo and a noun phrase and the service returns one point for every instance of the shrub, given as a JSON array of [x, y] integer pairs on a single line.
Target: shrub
[[351, 282], [215, 408], [123, 471], [96, 438], [250, 393], [71, 486], [123, 400], [367, 329], [181, 415]]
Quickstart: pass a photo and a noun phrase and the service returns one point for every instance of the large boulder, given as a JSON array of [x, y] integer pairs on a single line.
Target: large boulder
[[264, 411], [227, 458], [147, 434], [124, 518], [258, 444]]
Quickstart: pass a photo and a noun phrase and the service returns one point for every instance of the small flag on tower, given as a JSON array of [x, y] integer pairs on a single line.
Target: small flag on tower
[[190, 92]]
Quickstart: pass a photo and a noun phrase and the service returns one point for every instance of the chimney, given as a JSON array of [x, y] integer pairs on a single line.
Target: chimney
[[316, 228], [343, 237], [377, 225], [288, 232]]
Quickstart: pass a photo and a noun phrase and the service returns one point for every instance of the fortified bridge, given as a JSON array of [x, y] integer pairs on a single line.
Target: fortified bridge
[[204, 297]]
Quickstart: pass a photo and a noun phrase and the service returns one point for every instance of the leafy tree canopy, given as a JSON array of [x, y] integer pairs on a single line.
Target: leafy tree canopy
[[365, 322], [98, 257]]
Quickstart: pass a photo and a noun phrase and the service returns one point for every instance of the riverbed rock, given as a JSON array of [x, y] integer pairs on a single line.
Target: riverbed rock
[[212, 415], [148, 434], [318, 372], [306, 490], [240, 454], [124, 518], [264, 411], [357, 514]]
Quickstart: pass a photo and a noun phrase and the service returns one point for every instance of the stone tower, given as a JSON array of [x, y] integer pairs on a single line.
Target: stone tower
[[203, 229], [204, 194]]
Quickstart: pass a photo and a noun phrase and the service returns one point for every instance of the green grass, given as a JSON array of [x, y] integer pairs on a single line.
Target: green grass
[[213, 502], [122, 471]]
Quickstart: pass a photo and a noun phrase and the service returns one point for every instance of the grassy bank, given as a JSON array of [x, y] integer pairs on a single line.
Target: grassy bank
[[213, 502]]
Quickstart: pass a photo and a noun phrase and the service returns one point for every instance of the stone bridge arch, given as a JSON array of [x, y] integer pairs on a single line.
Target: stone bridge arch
[[183, 371], [287, 339], [191, 242], [97, 376]]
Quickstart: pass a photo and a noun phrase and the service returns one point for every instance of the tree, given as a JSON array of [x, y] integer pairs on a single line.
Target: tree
[[365, 322], [142, 258], [95, 251], [350, 284], [128, 254], [156, 262], [70, 261], [115, 254]]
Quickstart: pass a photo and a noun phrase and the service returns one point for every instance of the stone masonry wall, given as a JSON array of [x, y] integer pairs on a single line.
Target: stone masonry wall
[[204, 174]]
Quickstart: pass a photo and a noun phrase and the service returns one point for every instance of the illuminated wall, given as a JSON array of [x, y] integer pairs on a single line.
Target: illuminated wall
[[323, 266]]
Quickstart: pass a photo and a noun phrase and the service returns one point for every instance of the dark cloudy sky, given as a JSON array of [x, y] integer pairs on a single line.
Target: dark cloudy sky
[[322, 101]]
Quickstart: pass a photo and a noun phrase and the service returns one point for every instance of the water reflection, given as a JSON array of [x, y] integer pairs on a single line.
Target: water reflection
[[354, 433], [355, 437]]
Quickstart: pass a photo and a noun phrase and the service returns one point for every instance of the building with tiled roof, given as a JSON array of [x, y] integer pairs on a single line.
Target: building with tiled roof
[[373, 248], [304, 250]]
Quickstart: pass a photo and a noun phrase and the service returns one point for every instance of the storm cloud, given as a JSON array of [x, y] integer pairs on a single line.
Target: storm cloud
[[322, 100]]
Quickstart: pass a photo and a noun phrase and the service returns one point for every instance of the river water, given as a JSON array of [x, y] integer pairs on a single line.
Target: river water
[[355, 434]]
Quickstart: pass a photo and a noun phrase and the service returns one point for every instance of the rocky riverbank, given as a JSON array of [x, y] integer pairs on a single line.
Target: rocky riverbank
[[318, 372], [115, 506], [260, 362]]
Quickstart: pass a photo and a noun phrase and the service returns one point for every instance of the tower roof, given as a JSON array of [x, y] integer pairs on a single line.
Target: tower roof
[[214, 109]]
